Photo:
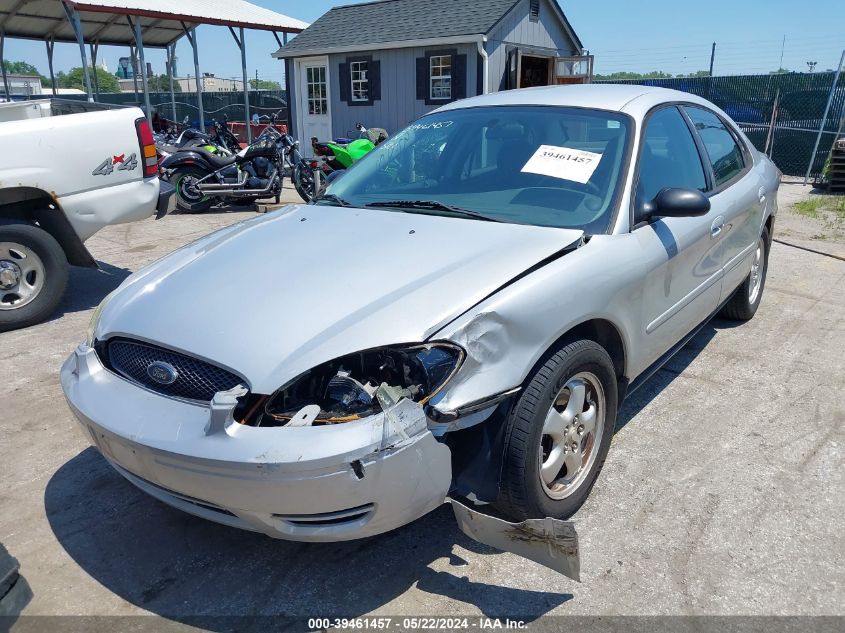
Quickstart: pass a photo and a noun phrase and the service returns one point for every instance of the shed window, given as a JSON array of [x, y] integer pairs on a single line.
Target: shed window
[[534, 11], [318, 102], [360, 82], [440, 77]]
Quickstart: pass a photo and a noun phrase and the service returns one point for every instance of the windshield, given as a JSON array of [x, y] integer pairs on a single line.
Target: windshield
[[547, 166]]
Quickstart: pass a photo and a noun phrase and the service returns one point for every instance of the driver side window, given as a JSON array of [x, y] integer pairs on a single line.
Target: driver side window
[[669, 156]]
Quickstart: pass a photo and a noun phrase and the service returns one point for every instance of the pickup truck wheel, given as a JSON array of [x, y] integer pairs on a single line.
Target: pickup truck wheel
[[33, 275], [188, 198], [558, 434], [743, 305]]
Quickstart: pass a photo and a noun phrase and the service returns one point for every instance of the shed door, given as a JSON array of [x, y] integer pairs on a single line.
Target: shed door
[[314, 102]]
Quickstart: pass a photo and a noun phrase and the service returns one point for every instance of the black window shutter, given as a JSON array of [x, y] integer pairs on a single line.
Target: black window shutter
[[511, 70], [422, 78], [345, 82], [459, 77], [374, 76], [479, 75]]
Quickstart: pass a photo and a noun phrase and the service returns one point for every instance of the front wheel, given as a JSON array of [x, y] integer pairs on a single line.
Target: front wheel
[[33, 275], [743, 305], [304, 181], [558, 434], [188, 197]]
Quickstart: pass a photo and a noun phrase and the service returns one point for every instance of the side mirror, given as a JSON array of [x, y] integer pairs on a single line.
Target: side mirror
[[673, 202]]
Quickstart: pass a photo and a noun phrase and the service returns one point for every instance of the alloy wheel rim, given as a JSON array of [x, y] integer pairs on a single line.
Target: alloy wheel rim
[[572, 434], [756, 272], [187, 188], [22, 275]]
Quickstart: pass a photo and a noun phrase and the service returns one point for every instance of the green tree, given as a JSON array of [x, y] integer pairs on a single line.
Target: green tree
[[74, 79], [654, 74], [262, 84], [24, 68], [161, 83]]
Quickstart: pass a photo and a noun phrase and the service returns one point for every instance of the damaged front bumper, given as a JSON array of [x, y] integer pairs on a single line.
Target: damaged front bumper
[[324, 483], [327, 483]]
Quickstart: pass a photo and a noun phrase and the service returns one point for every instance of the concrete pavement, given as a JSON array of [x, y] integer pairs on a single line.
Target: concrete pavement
[[723, 492]]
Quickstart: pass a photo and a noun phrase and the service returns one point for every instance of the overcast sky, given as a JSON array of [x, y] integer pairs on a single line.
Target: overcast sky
[[670, 35]]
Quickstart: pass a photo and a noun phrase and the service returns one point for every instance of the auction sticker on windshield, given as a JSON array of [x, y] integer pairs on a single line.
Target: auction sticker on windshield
[[565, 163]]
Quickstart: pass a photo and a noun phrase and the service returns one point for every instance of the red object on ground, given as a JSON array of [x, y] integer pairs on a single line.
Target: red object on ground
[[239, 129]]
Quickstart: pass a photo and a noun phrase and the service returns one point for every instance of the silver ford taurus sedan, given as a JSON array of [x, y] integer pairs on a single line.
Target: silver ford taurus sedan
[[459, 316]]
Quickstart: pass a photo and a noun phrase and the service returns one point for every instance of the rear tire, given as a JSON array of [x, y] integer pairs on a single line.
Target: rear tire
[[33, 275], [187, 199], [743, 305], [558, 434]]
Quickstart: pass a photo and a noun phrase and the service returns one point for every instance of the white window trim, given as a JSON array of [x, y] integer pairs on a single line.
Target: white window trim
[[432, 77], [363, 84]]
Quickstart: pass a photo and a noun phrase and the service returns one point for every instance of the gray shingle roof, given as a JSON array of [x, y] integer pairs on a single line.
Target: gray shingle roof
[[397, 20]]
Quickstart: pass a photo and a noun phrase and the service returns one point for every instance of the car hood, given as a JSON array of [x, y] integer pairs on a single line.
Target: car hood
[[276, 295]]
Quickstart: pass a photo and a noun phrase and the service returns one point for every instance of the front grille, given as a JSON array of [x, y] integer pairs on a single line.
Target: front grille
[[195, 379]]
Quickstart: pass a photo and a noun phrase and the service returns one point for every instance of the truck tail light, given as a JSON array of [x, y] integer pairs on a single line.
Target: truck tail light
[[148, 147]]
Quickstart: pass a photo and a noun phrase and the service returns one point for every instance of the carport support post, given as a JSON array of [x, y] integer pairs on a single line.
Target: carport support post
[[3, 66], [171, 55], [95, 47], [133, 58], [139, 43], [73, 18], [824, 117], [192, 38], [51, 43], [242, 45]]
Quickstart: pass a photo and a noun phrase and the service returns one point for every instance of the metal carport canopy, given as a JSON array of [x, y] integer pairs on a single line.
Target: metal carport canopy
[[161, 20], [137, 24]]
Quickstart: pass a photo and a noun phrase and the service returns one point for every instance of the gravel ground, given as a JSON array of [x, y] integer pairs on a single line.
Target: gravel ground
[[723, 492], [823, 230]]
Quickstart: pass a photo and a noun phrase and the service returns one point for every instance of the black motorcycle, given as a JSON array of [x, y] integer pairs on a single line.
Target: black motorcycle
[[202, 178], [224, 136]]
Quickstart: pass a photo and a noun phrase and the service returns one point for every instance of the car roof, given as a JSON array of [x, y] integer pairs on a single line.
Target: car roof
[[629, 98]]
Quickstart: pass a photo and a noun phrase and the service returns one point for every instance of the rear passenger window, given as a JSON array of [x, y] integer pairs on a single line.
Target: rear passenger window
[[725, 155], [669, 156]]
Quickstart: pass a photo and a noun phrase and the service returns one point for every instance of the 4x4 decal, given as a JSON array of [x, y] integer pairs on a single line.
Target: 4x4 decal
[[125, 163]]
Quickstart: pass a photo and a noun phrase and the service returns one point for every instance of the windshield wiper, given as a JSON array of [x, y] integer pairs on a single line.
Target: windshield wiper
[[433, 205], [330, 197]]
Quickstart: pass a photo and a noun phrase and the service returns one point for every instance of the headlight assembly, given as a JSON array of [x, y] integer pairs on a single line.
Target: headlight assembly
[[363, 384], [95, 319]]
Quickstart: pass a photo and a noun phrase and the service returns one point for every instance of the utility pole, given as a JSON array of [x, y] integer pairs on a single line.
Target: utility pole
[[782, 47], [811, 65], [712, 57]]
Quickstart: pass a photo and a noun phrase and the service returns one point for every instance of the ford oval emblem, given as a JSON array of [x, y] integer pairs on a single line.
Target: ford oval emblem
[[162, 373]]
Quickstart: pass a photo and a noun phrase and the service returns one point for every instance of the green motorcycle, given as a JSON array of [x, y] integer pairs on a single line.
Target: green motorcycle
[[333, 158]]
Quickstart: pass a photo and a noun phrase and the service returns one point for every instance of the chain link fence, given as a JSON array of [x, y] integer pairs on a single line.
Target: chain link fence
[[780, 113]]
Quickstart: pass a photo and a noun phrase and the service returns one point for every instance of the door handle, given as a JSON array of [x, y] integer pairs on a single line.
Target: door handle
[[717, 226], [761, 195]]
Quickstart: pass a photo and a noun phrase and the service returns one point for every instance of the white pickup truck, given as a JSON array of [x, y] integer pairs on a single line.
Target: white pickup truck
[[67, 169]]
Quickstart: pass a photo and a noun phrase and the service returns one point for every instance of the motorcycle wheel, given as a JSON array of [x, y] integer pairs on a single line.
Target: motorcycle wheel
[[188, 199], [303, 182]]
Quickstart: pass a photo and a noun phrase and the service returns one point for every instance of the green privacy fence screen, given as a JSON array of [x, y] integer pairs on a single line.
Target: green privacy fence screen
[[750, 101], [215, 104]]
